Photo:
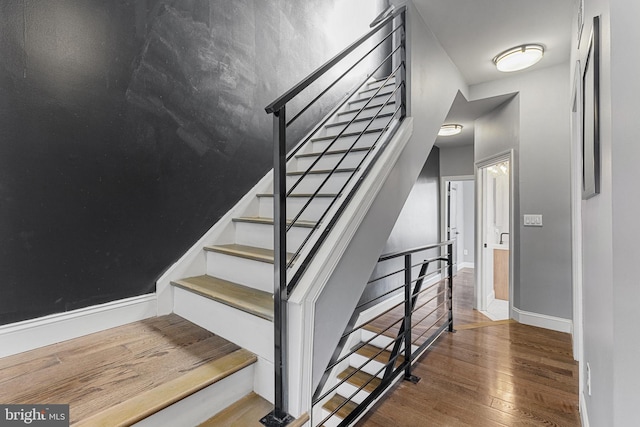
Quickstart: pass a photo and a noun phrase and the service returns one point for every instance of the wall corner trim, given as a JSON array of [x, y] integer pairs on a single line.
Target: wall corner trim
[[543, 321], [34, 333]]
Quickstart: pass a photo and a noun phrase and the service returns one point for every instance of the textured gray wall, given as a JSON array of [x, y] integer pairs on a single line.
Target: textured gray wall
[[128, 128]]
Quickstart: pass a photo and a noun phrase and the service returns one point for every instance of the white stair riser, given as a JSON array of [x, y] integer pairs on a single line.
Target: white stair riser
[[378, 101], [334, 421], [350, 113], [357, 126], [347, 390], [371, 368], [228, 322], [368, 93], [204, 404], [380, 341], [329, 161], [345, 142], [311, 182], [294, 204], [377, 84], [261, 235], [248, 272]]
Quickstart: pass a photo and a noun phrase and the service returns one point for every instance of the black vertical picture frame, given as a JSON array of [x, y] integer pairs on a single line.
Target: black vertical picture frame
[[591, 116]]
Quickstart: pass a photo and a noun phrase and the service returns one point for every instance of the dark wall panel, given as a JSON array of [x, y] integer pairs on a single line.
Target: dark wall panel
[[127, 128]]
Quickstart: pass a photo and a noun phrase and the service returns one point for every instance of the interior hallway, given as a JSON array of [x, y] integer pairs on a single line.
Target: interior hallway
[[486, 374]]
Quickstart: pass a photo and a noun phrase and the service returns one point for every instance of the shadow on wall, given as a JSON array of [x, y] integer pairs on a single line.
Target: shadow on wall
[[128, 128]]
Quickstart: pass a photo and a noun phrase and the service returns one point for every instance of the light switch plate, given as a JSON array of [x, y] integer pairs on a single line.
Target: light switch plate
[[532, 220]]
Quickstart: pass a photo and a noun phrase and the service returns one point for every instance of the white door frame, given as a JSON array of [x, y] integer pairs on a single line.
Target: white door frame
[[443, 200], [480, 227]]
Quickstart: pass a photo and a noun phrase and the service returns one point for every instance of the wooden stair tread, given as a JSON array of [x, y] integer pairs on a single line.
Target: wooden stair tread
[[360, 378], [269, 221], [338, 400], [152, 401], [249, 300], [359, 119], [243, 251], [346, 135], [147, 365], [364, 99], [322, 171], [245, 412], [333, 152], [369, 351]]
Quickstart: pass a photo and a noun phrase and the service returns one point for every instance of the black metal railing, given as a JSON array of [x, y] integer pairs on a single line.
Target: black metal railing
[[408, 327], [289, 265]]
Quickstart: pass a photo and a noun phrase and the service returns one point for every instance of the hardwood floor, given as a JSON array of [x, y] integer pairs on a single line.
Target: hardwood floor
[[486, 374]]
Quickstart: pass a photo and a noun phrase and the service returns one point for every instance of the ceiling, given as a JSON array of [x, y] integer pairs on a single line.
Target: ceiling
[[473, 32]]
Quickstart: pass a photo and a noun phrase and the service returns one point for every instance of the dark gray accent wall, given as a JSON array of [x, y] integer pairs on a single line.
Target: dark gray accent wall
[[127, 128]]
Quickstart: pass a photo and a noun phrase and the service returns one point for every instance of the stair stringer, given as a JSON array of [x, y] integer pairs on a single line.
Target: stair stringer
[[326, 296]]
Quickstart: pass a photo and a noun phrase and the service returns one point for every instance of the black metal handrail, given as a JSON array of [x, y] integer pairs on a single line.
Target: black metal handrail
[[406, 349], [391, 26]]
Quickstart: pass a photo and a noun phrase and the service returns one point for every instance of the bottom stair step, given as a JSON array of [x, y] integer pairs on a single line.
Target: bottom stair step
[[123, 375]]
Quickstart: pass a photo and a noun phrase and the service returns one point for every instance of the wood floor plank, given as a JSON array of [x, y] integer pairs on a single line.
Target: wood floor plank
[[486, 374]]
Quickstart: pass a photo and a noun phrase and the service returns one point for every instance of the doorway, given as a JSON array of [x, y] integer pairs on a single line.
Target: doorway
[[458, 218], [493, 281]]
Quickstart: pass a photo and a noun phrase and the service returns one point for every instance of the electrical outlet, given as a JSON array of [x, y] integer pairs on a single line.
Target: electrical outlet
[[588, 379], [466, 252]]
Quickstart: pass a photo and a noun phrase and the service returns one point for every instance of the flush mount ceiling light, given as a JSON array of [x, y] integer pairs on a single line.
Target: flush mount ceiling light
[[449, 130], [519, 58]]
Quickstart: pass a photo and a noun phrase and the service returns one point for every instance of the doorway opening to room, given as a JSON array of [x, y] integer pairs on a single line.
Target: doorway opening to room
[[495, 228], [458, 220]]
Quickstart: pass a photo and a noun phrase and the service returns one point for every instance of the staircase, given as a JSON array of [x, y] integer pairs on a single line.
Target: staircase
[[233, 295]]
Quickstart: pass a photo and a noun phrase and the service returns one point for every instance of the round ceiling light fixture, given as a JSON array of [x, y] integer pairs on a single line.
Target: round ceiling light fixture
[[450, 129], [519, 58]]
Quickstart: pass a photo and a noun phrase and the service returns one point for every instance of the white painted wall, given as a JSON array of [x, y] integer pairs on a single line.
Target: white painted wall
[[543, 278], [610, 229]]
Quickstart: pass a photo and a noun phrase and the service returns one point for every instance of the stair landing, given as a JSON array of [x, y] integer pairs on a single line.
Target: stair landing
[[121, 375]]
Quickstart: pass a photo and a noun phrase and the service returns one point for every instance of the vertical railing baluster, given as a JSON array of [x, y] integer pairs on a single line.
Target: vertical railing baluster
[[403, 68], [407, 316], [279, 416], [450, 285]]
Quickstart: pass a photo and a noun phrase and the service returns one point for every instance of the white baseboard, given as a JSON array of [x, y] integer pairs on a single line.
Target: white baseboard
[[543, 321], [30, 334], [584, 416], [466, 265]]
